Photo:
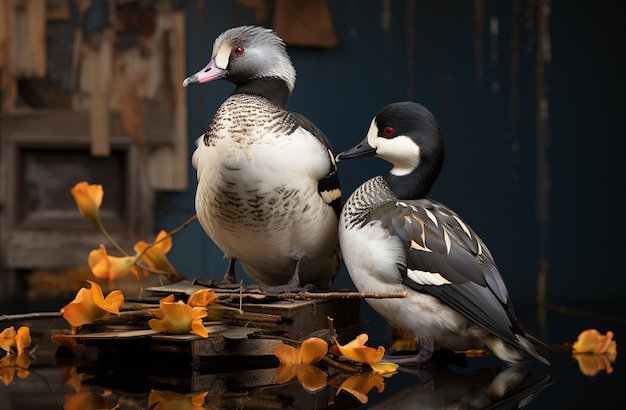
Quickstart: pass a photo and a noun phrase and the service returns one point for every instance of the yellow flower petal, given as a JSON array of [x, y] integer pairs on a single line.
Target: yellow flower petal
[[111, 303], [384, 367], [198, 328], [163, 242], [90, 304], [358, 352], [297, 361], [7, 338], [82, 310], [202, 298], [22, 339], [104, 266], [286, 354], [154, 255], [178, 318], [88, 200], [592, 341], [312, 350]]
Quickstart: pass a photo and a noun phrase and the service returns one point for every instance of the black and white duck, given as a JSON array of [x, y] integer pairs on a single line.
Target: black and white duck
[[393, 239]]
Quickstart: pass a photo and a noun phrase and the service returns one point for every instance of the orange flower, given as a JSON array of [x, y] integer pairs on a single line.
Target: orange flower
[[7, 338], [166, 400], [154, 255], [358, 352], [202, 298], [104, 266], [90, 304], [22, 339], [592, 341], [10, 339], [359, 385], [88, 199], [178, 318], [298, 362], [594, 352]]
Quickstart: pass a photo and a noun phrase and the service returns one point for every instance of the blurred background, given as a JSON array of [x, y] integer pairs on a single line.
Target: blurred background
[[529, 95]]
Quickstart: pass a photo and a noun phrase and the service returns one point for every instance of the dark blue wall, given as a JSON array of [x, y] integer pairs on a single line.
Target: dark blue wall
[[502, 157]]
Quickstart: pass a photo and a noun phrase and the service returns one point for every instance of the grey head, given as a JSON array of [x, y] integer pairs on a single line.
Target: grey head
[[242, 54]]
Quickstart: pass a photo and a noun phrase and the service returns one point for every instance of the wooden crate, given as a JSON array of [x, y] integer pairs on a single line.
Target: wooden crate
[[256, 331]]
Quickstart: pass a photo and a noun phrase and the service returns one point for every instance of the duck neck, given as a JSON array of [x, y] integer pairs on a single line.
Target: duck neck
[[272, 88], [415, 185]]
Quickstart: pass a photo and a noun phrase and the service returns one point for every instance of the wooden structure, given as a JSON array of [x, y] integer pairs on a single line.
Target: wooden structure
[[252, 328], [98, 98]]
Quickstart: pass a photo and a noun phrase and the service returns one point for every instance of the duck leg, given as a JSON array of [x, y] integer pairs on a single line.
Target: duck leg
[[292, 286], [229, 280], [426, 352]]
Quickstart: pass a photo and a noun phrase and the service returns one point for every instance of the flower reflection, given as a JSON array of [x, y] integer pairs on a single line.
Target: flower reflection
[[592, 364], [11, 365], [165, 400], [358, 352], [90, 304], [178, 318], [87, 400], [595, 352], [62, 338], [298, 362], [359, 385]]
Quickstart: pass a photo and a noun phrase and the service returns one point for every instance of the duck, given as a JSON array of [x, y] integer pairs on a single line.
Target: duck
[[396, 239], [267, 193]]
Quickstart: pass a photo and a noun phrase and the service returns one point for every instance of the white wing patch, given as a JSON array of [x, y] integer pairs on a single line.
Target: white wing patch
[[330, 196], [446, 239], [427, 278], [480, 247], [417, 246], [432, 217], [463, 226]]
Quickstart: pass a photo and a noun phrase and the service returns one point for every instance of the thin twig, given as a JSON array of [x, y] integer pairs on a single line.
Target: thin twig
[[329, 295], [30, 316], [352, 369], [183, 226]]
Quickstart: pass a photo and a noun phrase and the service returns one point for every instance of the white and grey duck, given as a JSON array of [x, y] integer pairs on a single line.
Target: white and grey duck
[[268, 194]]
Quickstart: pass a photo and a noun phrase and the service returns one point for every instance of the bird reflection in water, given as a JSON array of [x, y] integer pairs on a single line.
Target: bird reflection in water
[[440, 387]]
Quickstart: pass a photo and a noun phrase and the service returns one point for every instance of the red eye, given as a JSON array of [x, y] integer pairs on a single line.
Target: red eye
[[388, 131], [238, 51]]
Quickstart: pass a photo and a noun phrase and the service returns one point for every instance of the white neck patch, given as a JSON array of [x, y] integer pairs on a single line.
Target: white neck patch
[[401, 151]]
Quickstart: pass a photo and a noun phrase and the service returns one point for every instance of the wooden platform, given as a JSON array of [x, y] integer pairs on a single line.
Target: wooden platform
[[251, 329]]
